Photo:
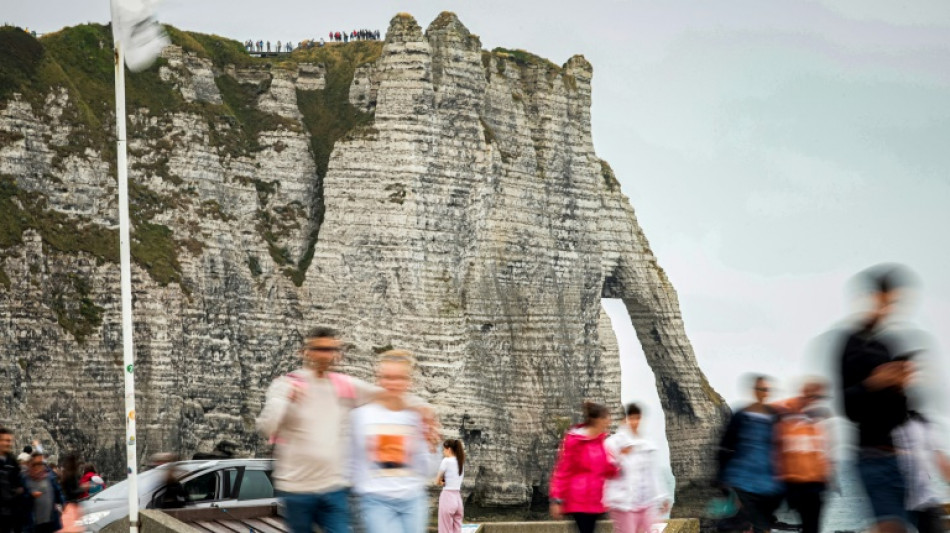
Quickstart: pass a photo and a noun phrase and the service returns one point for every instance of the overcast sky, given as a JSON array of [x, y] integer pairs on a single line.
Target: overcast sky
[[771, 149]]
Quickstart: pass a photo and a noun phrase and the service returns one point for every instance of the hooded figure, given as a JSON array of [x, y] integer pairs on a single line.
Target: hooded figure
[[638, 486]]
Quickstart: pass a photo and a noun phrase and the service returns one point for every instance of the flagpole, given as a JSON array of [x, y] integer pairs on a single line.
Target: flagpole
[[125, 269]]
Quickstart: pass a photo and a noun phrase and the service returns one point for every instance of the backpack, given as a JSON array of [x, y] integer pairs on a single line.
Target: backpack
[[802, 448], [342, 384]]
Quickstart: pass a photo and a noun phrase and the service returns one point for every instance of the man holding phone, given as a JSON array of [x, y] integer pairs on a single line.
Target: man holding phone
[[873, 382]]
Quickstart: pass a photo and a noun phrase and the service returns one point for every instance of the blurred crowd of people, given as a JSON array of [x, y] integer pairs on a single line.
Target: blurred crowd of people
[[38, 495], [339, 440], [772, 452]]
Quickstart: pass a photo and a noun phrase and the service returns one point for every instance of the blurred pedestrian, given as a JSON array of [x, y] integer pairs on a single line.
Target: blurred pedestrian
[[44, 496], [392, 456], [922, 465], [69, 478], [451, 474], [634, 498], [582, 467], [91, 480], [873, 382], [805, 459], [174, 495], [73, 491], [12, 492], [305, 415], [746, 459]]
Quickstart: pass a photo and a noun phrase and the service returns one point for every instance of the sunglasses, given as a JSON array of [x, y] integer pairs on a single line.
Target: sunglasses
[[324, 349]]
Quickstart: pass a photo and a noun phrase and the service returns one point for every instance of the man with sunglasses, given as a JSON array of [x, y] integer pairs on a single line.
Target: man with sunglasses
[[747, 463], [304, 415], [46, 499]]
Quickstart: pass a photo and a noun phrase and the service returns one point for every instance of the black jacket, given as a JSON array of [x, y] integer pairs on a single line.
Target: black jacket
[[12, 495], [876, 413]]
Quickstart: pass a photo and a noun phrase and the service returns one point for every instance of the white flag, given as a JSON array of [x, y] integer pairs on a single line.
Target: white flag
[[135, 29]]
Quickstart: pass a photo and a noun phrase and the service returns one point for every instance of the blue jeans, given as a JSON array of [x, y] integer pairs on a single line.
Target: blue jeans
[[386, 515], [329, 510], [884, 484]]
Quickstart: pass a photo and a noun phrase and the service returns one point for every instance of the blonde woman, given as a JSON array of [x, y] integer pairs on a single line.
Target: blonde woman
[[392, 460]]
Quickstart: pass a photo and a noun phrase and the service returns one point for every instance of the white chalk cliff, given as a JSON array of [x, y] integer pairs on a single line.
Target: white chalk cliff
[[464, 216]]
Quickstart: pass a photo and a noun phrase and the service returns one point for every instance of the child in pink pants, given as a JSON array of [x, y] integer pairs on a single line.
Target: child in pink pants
[[633, 497]]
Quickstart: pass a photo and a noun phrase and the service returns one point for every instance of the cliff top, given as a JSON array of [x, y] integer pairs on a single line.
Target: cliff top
[[80, 58], [78, 61]]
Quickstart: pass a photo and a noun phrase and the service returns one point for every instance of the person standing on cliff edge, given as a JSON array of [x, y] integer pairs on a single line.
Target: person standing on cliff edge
[[873, 382], [304, 415]]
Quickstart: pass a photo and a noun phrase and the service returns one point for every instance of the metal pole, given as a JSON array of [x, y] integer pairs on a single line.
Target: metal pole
[[125, 263]]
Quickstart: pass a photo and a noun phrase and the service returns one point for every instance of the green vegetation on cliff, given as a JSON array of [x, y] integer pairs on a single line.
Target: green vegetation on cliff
[[524, 59], [79, 61], [21, 211], [75, 310], [328, 116]]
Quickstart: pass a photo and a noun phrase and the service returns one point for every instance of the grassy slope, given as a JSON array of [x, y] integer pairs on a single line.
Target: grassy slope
[[80, 60]]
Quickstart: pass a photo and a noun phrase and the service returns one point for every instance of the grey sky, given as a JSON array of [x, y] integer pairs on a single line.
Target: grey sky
[[771, 149]]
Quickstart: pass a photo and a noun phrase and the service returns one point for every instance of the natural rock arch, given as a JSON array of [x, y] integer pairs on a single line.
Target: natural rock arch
[[463, 215]]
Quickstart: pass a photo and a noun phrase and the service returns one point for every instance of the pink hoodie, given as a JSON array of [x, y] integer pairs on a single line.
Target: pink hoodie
[[583, 466]]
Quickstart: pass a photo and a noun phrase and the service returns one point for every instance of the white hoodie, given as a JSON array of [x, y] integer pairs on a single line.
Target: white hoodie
[[638, 486]]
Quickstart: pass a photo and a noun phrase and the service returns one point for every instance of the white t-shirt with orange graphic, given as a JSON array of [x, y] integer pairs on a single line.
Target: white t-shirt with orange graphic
[[389, 456]]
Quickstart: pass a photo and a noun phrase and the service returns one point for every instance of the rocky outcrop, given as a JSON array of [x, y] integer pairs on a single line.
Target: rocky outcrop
[[427, 195]]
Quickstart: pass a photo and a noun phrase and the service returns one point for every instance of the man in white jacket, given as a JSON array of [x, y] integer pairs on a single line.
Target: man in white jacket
[[634, 498]]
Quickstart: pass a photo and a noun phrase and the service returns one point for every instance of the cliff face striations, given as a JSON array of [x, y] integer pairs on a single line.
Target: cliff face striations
[[419, 193]]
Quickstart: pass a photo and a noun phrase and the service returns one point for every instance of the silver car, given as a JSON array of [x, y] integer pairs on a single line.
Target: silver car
[[213, 483]]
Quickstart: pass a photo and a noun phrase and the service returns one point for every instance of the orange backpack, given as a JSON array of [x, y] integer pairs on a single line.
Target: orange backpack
[[802, 446]]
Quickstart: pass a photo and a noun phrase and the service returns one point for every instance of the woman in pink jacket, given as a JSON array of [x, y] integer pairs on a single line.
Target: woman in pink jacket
[[583, 465]]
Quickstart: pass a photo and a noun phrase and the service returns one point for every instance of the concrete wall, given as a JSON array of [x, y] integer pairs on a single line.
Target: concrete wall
[[674, 526], [158, 522], [151, 521]]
